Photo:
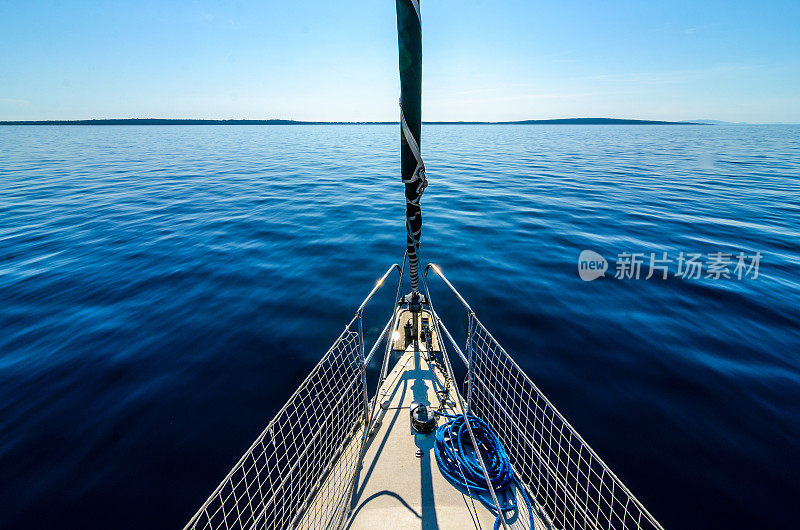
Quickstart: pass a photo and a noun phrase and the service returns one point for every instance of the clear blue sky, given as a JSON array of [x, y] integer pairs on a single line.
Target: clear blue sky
[[337, 60]]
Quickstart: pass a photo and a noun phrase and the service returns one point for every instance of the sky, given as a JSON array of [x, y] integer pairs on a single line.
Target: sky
[[329, 60]]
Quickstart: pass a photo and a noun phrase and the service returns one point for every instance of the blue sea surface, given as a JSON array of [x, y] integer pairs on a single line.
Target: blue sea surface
[[164, 289]]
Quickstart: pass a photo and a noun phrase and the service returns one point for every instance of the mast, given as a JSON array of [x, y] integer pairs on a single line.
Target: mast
[[412, 170]]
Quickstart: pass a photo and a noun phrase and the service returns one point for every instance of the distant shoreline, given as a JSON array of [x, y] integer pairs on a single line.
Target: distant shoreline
[[159, 121]]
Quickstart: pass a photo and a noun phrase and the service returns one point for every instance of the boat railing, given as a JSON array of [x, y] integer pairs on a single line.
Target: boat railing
[[308, 440], [303, 464], [572, 486]]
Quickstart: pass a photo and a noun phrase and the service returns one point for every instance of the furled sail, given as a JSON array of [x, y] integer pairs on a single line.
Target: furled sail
[[409, 37]]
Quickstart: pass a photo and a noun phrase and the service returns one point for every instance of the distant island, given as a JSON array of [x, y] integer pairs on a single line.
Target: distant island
[[169, 121]]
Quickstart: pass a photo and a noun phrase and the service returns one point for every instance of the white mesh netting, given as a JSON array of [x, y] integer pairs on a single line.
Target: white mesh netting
[[569, 482], [273, 484]]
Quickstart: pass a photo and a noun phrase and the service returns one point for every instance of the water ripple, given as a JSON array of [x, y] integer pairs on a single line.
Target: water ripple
[[165, 288]]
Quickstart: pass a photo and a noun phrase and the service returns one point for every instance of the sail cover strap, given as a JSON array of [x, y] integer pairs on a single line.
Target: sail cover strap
[[409, 37]]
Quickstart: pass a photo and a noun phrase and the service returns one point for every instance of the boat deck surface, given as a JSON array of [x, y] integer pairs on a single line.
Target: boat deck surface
[[394, 487]]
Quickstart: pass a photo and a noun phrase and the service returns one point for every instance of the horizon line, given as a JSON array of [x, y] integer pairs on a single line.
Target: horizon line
[[280, 121]]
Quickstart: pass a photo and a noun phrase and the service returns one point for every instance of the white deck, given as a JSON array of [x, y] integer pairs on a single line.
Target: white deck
[[396, 489]]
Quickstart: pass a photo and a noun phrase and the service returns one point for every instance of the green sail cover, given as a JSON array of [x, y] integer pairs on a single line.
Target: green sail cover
[[409, 38]]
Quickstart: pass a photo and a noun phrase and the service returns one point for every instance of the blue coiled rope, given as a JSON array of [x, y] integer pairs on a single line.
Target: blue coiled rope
[[458, 461]]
